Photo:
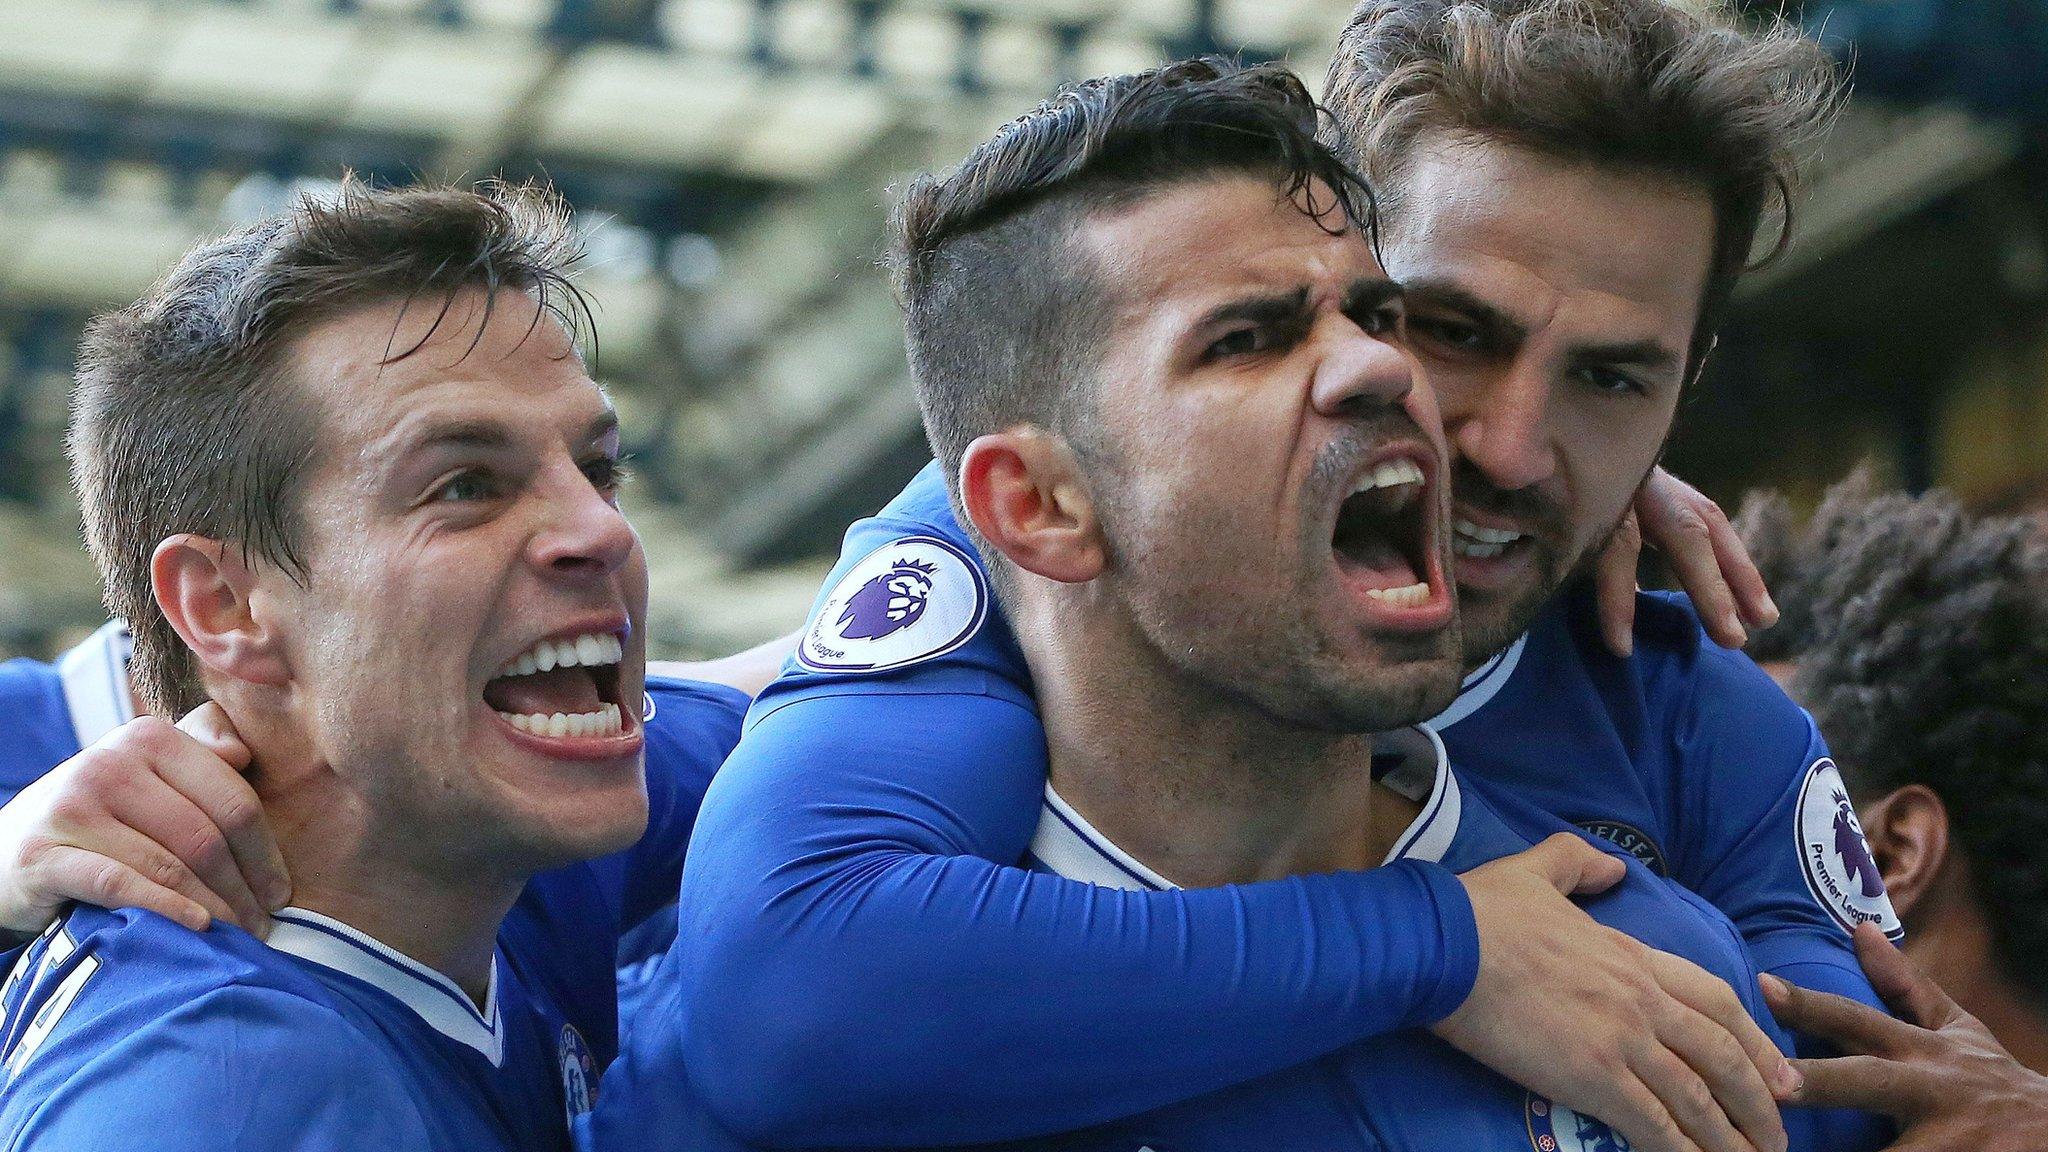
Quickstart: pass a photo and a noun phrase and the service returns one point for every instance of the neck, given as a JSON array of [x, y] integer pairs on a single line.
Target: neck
[[1952, 943], [446, 918], [1198, 783]]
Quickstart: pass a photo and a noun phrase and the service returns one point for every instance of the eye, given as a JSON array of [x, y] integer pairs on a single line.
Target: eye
[[607, 473], [1242, 342], [1380, 320], [468, 486], [1613, 381], [1448, 332]]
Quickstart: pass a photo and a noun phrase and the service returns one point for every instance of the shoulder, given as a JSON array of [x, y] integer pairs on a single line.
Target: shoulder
[[179, 1036], [40, 732]]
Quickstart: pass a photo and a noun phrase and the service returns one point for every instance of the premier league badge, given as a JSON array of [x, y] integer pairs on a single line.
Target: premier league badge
[[1555, 1128], [1834, 856], [911, 600]]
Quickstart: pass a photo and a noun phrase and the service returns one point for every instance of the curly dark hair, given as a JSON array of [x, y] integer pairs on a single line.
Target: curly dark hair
[[1921, 636]]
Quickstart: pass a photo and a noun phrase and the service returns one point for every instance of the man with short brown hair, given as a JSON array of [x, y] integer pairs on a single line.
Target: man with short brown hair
[[346, 476]]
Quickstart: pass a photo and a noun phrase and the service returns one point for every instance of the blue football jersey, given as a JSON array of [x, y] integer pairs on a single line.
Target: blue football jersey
[[857, 847], [122, 1029], [1406, 1090], [53, 710]]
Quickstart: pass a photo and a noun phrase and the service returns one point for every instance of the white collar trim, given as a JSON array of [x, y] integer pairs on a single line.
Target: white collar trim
[[95, 679], [1481, 686], [432, 997], [1067, 845]]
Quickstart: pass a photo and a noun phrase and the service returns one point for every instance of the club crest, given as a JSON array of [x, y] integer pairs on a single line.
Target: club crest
[[579, 1073], [1555, 1128], [910, 600], [1835, 857]]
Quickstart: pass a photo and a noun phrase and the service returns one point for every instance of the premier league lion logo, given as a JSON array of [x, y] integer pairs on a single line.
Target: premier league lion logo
[[1853, 849], [889, 603]]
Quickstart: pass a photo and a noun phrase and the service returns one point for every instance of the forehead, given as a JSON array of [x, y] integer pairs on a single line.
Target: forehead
[[519, 367], [1523, 228], [1197, 243]]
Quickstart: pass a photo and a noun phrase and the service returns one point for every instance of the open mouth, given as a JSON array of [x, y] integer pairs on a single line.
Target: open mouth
[[567, 687], [1385, 536], [1470, 541]]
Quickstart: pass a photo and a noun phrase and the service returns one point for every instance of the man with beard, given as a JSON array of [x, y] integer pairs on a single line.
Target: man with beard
[[1571, 191], [1174, 403]]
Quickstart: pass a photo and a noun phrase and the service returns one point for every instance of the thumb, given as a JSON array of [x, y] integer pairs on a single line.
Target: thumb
[[1574, 867], [209, 724]]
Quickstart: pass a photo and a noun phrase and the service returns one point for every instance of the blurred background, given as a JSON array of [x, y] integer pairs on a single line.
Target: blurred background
[[729, 161]]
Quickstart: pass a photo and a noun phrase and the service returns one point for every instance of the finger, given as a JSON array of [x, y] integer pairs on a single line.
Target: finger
[[1643, 1120], [232, 806], [1909, 991], [1870, 1083], [1573, 866], [210, 726], [1688, 548], [107, 883], [1738, 568], [1856, 1028], [162, 815], [1739, 1081], [1694, 1105], [1711, 997], [1614, 581]]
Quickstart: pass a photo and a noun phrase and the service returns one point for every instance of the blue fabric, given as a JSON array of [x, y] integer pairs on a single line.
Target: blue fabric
[[860, 963]]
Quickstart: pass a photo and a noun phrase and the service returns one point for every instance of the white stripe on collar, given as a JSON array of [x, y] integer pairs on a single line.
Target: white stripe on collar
[[1067, 845], [1430, 834], [95, 679], [432, 997], [1482, 685]]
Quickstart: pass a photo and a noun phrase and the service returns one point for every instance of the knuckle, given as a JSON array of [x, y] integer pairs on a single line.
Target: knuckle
[[104, 881], [163, 869], [206, 847], [241, 813]]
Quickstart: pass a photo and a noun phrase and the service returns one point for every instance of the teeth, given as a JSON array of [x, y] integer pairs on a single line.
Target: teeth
[[1412, 596], [1474, 533], [603, 722], [1465, 548], [1392, 474], [588, 650]]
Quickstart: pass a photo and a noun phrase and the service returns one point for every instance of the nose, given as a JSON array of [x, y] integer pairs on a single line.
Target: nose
[[1505, 430], [1360, 375], [583, 534]]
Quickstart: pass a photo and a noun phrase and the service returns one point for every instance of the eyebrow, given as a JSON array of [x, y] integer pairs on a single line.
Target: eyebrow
[[492, 435], [1364, 292], [1504, 328]]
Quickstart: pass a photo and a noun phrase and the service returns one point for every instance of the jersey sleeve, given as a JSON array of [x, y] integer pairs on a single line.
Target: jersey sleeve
[[239, 1067], [692, 729], [860, 965], [1774, 844]]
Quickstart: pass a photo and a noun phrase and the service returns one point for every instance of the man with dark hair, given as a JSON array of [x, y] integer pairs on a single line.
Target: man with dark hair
[[1564, 283], [1917, 635], [345, 474], [1145, 277]]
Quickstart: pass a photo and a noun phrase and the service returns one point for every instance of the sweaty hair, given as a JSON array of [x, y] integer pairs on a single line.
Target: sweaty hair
[[1660, 88], [1920, 635], [185, 419], [1004, 318]]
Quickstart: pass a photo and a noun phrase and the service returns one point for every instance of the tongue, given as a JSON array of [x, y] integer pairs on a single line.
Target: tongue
[[1376, 561], [561, 690]]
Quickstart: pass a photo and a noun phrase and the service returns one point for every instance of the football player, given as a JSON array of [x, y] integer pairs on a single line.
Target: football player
[[1569, 193], [345, 475]]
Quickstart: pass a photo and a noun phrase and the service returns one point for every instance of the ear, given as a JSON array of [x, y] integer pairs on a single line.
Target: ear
[[1024, 492], [1908, 834], [211, 597]]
